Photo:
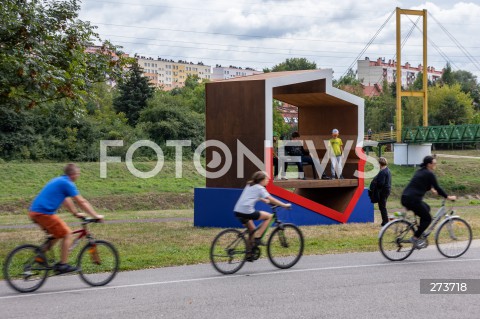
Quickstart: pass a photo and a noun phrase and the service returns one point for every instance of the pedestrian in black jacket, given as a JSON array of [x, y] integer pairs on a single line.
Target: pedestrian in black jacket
[[384, 185]]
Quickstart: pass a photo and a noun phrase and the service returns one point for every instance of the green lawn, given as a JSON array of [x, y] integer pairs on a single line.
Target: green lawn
[[159, 244], [121, 196], [123, 191], [120, 190]]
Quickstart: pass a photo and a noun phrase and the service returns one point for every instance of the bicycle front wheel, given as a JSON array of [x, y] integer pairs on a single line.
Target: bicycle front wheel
[[453, 237], [25, 268], [98, 263], [285, 246], [394, 242], [228, 251]]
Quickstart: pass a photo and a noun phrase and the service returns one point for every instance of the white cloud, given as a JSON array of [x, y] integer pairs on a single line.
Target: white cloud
[[261, 34]]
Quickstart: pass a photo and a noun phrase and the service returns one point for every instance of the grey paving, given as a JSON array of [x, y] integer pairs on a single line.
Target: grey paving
[[359, 285]]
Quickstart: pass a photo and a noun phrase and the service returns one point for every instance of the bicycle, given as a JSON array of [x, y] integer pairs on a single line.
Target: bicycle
[[27, 266], [229, 249], [452, 238]]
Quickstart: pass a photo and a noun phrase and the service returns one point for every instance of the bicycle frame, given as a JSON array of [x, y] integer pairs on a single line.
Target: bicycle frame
[[80, 233], [442, 212], [273, 221]]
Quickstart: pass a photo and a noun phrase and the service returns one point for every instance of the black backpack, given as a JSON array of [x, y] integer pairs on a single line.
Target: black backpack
[[373, 191]]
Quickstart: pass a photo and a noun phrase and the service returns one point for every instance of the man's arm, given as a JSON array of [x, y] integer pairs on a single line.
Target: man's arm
[[86, 207], [70, 206]]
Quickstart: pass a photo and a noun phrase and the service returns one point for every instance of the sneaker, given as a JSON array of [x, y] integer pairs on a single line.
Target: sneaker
[[421, 243], [418, 243], [259, 242], [64, 268]]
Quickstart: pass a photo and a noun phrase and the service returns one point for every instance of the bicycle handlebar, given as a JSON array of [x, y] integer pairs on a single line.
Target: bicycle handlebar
[[273, 207], [87, 220]]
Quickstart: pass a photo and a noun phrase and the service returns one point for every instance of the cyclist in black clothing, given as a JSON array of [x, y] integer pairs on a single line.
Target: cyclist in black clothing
[[412, 197]]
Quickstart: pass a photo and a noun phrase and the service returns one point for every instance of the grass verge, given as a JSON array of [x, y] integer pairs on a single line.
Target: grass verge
[[159, 244]]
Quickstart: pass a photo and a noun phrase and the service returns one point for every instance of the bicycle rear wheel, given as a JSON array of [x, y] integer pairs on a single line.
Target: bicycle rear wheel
[[25, 268], [98, 263], [285, 246], [228, 251], [453, 237], [394, 240]]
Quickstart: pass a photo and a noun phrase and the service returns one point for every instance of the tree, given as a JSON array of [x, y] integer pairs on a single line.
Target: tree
[[418, 83], [412, 111], [380, 110], [468, 84], [293, 64], [43, 53], [349, 83], [133, 94], [193, 93], [168, 117], [447, 76], [279, 125], [449, 105]]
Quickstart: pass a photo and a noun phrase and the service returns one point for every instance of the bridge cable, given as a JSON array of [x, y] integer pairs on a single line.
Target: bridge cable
[[409, 33], [436, 47], [368, 44], [459, 45]]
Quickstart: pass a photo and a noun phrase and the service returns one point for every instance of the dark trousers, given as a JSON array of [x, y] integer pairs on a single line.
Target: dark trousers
[[382, 206], [421, 209], [275, 166], [305, 159]]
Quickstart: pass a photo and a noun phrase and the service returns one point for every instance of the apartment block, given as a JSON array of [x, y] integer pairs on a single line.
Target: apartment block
[[372, 73], [225, 73], [168, 74]]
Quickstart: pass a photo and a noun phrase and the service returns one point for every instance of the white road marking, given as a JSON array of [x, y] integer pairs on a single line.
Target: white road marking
[[235, 276]]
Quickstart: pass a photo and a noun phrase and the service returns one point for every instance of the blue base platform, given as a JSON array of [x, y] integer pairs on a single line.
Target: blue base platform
[[214, 208]]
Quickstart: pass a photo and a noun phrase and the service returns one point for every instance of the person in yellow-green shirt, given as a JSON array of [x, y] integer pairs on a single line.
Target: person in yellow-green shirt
[[336, 150]]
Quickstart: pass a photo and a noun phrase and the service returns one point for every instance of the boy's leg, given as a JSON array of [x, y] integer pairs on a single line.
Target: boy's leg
[[333, 163], [339, 167]]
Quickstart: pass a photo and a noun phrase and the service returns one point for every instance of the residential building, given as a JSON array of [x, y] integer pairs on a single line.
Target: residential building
[[168, 74], [372, 73], [224, 73]]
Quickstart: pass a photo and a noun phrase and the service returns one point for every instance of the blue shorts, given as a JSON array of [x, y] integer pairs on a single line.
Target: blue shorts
[[244, 218]]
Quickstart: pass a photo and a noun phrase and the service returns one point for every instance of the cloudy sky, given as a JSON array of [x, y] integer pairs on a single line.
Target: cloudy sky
[[260, 34]]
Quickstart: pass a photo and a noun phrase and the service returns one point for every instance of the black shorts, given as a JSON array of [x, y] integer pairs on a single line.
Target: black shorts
[[244, 218]]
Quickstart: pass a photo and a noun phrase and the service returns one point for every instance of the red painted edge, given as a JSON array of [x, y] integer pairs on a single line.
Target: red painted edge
[[309, 204]]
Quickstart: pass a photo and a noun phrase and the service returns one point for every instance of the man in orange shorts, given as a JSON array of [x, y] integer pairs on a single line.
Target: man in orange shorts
[[58, 191]]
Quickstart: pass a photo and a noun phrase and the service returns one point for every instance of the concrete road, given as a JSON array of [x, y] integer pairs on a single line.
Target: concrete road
[[359, 285]]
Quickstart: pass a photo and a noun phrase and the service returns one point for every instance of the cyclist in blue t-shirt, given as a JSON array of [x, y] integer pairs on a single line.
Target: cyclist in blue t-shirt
[[58, 191]]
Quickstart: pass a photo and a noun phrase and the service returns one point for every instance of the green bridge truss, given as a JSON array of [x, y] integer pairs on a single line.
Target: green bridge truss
[[467, 133]]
